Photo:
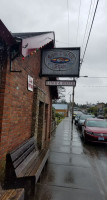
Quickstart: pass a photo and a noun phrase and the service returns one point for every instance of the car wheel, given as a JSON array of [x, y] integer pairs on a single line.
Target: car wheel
[[82, 135], [84, 139], [78, 127]]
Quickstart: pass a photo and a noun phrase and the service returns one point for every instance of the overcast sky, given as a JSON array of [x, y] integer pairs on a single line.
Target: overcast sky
[[53, 15]]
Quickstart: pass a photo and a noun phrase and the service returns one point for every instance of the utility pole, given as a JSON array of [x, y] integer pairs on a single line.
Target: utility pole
[[70, 105], [73, 103]]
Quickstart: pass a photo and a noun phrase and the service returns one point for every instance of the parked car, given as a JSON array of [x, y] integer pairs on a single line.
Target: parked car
[[77, 118], [74, 115], [95, 130], [82, 119], [100, 117]]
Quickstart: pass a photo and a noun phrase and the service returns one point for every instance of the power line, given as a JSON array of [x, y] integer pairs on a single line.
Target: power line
[[78, 22], [94, 1], [68, 19], [87, 23], [89, 86], [93, 77], [90, 31], [91, 11], [97, 77], [93, 86]]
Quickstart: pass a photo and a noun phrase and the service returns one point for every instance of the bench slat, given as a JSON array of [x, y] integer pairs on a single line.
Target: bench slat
[[36, 163], [26, 171], [20, 159], [19, 151], [24, 165], [13, 194]]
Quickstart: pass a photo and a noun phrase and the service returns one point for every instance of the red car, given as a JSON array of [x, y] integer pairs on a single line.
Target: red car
[[95, 130]]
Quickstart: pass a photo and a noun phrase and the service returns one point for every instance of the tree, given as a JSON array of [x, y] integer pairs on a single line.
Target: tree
[[105, 111], [93, 110], [61, 95], [61, 91]]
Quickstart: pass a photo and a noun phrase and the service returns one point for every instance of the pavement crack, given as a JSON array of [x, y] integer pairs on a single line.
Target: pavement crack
[[67, 165], [60, 186]]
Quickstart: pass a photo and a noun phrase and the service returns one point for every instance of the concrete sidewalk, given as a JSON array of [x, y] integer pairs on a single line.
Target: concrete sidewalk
[[68, 174]]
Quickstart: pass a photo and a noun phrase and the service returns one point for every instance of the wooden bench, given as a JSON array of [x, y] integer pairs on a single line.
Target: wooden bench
[[13, 194], [25, 162]]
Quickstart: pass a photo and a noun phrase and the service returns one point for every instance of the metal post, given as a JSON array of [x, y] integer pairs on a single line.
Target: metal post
[[72, 104]]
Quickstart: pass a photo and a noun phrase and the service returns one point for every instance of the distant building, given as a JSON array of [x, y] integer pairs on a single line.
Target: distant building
[[100, 105], [61, 108]]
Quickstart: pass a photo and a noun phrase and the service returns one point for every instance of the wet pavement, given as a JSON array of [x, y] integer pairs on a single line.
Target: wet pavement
[[75, 170]]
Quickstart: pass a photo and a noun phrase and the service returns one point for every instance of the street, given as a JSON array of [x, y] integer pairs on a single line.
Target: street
[[75, 170]]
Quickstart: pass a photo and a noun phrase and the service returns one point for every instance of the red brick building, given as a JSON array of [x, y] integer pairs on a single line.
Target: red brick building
[[23, 113]]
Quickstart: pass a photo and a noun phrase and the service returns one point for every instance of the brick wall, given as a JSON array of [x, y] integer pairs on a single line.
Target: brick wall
[[41, 97], [17, 116], [3, 64]]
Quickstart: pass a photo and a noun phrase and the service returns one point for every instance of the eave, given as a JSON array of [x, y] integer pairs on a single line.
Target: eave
[[33, 41], [5, 35]]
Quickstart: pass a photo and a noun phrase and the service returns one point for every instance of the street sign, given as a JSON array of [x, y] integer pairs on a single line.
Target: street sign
[[60, 62], [61, 83]]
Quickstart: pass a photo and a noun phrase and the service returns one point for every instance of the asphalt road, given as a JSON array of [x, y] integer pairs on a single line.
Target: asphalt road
[[75, 170]]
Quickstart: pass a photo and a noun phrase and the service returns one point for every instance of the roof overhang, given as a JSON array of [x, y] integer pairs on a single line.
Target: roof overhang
[[36, 42], [6, 35], [26, 41], [33, 41]]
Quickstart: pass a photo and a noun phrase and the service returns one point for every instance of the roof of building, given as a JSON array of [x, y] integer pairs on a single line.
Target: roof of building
[[34, 40], [29, 34], [5, 35], [29, 41], [60, 106]]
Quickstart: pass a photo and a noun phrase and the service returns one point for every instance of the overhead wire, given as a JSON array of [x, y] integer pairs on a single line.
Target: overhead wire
[[89, 86], [93, 77], [87, 24], [92, 86], [93, 7], [90, 32], [68, 19], [67, 43], [78, 22]]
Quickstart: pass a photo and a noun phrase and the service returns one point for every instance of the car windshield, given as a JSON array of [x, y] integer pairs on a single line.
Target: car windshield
[[83, 117], [95, 123]]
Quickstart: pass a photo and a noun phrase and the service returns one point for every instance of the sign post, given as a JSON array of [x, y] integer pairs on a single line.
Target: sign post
[[72, 104]]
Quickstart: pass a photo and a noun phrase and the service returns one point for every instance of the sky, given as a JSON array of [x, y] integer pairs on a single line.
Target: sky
[[68, 19]]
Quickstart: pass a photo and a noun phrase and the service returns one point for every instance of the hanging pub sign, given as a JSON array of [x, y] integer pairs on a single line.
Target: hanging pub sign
[[60, 62], [61, 83], [30, 83]]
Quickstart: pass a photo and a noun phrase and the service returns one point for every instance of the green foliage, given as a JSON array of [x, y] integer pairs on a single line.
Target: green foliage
[[53, 113], [105, 111], [93, 110], [59, 117]]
